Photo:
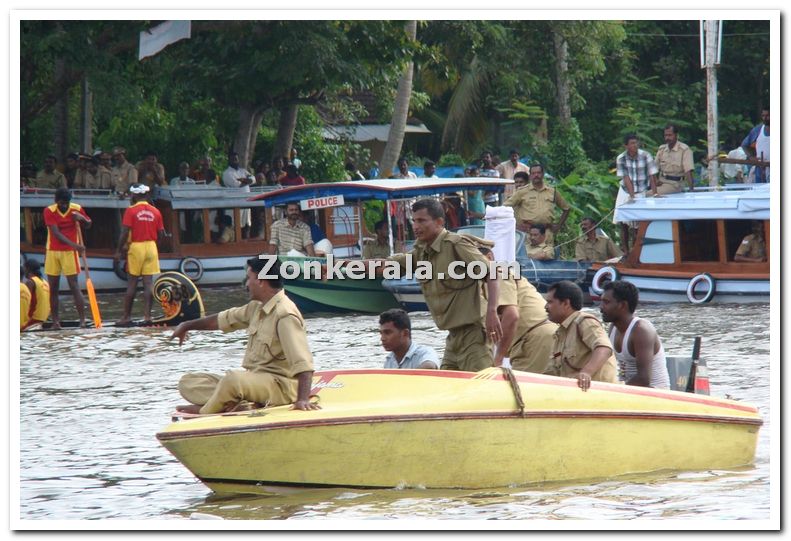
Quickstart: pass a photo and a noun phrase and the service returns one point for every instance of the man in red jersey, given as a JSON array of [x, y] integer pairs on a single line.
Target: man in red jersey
[[141, 226], [63, 251]]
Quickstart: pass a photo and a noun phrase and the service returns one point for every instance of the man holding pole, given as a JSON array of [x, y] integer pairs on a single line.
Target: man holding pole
[[141, 226], [62, 251]]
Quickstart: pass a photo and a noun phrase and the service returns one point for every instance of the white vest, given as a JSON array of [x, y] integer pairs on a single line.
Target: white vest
[[762, 149], [627, 363]]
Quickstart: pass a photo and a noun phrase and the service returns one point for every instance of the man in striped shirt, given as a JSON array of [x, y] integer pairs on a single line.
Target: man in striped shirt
[[637, 170], [291, 233]]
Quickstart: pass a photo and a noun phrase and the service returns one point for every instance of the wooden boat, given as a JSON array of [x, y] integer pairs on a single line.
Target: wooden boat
[[685, 247], [541, 274], [441, 429], [342, 204]]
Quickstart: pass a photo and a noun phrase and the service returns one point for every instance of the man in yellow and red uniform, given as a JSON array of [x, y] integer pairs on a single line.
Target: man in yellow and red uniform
[[141, 226], [38, 311], [63, 251]]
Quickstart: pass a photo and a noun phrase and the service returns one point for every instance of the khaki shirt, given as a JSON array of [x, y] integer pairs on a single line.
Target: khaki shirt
[[598, 249], [123, 177], [102, 180], [148, 178], [546, 251], [287, 238], [536, 206], [507, 169], [81, 178], [575, 340], [752, 246], [276, 339], [453, 302], [374, 250], [52, 180], [528, 301], [675, 162]]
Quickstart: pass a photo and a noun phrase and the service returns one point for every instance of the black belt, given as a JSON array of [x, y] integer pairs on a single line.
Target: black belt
[[671, 177]]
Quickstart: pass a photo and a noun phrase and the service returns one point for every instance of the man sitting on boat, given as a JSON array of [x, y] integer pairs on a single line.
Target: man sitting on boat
[[581, 349], [395, 332], [638, 348], [539, 248], [278, 366], [753, 248], [594, 247], [39, 292], [291, 233], [380, 246]]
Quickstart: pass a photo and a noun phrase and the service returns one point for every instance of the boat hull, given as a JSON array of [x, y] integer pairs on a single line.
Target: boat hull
[[438, 429]]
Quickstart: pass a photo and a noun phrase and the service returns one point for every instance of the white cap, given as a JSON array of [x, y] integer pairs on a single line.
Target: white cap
[[139, 188]]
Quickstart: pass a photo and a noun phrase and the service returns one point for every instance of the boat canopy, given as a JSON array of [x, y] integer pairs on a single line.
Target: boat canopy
[[210, 196], [381, 189], [97, 199], [742, 203]]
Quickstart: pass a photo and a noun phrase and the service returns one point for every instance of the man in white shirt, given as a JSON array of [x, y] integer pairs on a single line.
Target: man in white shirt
[[512, 166], [403, 170], [395, 332], [429, 169], [239, 177], [183, 178]]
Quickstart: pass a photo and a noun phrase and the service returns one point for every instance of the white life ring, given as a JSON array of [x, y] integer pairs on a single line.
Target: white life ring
[[192, 268], [703, 277], [609, 273]]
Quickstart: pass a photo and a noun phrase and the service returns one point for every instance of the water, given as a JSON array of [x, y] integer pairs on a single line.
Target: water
[[92, 401]]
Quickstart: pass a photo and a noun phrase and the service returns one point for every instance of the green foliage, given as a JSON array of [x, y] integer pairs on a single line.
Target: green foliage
[[373, 211], [565, 151], [449, 160], [322, 161]]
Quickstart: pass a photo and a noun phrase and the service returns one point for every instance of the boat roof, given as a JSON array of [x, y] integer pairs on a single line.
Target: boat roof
[[44, 197], [208, 196], [734, 202], [381, 189]]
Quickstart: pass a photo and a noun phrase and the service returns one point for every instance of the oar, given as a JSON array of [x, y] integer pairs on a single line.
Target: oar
[[97, 317]]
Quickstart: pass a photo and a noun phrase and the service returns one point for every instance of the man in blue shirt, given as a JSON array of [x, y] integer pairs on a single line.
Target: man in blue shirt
[[395, 331], [756, 145]]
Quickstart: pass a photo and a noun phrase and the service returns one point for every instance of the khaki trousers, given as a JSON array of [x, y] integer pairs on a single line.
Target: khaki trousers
[[466, 349], [533, 352], [670, 186], [214, 392]]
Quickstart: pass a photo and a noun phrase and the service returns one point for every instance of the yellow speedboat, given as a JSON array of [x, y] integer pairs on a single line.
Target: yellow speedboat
[[442, 429]]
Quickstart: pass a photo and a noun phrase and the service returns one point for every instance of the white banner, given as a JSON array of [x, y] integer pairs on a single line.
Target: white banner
[[321, 202], [155, 39]]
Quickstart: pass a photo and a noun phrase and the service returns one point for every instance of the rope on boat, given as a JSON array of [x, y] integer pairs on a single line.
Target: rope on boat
[[575, 239], [509, 375]]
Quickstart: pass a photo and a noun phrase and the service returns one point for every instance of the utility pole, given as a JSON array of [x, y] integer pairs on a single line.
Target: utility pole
[[710, 50], [86, 117]]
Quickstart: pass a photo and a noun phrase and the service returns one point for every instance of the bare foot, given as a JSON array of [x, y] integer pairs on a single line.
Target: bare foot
[[191, 408], [55, 326]]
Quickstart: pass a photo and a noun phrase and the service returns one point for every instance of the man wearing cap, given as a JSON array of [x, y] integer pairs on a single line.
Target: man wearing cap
[[675, 163], [142, 225], [98, 177], [124, 173], [150, 172], [62, 255], [81, 175], [49, 177], [536, 204]]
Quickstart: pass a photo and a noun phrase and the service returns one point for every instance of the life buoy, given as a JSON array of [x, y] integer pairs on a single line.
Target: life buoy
[[703, 277], [602, 276], [119, 268], [192, 268]]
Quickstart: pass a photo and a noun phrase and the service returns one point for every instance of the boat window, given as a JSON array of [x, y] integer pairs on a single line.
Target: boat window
[[698, 240], [191, 226], [658, 243], [105, 230], [735, 231]]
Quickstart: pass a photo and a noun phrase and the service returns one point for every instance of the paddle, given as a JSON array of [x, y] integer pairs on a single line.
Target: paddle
[[97, 317]]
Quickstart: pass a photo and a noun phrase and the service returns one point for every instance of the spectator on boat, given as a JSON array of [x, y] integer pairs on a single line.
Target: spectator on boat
[[27, 173], [581, 348], [124, 173], [455, 213], [81, 175], [527, 333], [675, 163], [537, 203], [227, 233], [352, 172], [98, 177], [276, 172], [150, 172], [455, 303], [205, 173], [753, 247], [513, 166], [106, 161], [637, 347], [291, 233], [62, 255], [756, 144], [292, 178], [316, 232], [429, 169], [24, 306], [294, 160], [278, 366], [236, 176], [39, 308], [403, 169], [487, 167], [539, 248], [592, 246], [141, 226], [476, 208], [637, 171], [184, 176], [395, 332], [70, 169], [49, 177], [521, 179], [380, 246], [260, 169]]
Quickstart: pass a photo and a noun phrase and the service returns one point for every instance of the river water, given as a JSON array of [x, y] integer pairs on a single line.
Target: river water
[[93, 400]]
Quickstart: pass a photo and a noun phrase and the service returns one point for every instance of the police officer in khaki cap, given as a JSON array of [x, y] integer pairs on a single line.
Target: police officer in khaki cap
[[675, 163], [582, 349], [124, 174], [455, 303]]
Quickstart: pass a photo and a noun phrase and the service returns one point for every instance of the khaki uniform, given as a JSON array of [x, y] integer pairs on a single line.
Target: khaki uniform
[[101, 180], [123, 177], [542, 251], [598, 249], [374, 250], [752, 246], [675, 162], [81, 178], [531, 348], [575, 340], [52, 180], [277, 350], [455, 304], [536, 206]]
